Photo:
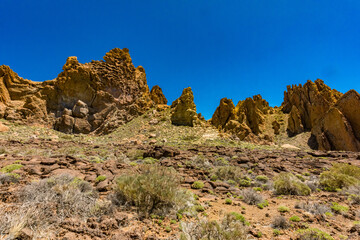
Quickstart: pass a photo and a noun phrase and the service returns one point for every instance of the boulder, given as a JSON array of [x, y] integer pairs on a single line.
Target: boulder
[[294, 122], [184, 109], [65, 124], [157, 95], [3, 128], [80, 109]]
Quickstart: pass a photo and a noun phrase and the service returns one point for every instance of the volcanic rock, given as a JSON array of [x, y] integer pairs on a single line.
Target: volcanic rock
[[157, 95], [184, 109], [294, 122], [104, 94], [312, 100], [223, 113], [339, 128]]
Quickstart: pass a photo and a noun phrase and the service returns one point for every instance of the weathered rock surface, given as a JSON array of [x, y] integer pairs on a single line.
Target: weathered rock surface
[[312, 101], [157, 95], [244, 119], [184, 109], [101, 94], [339, 128], [294, 122]]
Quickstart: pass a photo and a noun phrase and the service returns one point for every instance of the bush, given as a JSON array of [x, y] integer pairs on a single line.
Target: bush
[[314, 208], [354, 193], [280, 222], [313, 234], [100, 178], [263, 204], [230, 229], [154, 190], [339, 176], [288, 184], [295, 219], [197, 185], [10, 168], [262, 178], [228, 173], [44, 205], [339, 208], [228, 201], [250, 196], [283, 209], [8, 178]]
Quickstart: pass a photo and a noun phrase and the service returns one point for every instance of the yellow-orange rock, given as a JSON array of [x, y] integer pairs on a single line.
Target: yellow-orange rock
[[294, 122], [312, 100], [184, 109], [112, 92], [157, 95], [340, 126], [223, 113], [3, 128]]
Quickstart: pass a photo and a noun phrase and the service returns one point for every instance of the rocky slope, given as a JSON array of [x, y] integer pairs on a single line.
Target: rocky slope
[[97, 96]]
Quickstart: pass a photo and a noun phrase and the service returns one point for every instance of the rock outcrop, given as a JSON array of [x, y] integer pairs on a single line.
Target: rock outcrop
[[312, 100], [157, 95], [97, 96], [339, 129], [295, 125], [184, 109], [245, 120]]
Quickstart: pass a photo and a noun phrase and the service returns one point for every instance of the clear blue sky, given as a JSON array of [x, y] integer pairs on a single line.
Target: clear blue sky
[[232, 49]]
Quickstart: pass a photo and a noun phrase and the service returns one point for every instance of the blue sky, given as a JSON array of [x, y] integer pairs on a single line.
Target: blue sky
[[233, 49]]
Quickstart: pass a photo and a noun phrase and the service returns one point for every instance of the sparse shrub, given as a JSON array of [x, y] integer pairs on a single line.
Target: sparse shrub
[[200, 162], [228, 201], [283, 209], [313, 183], [354, 193], [100, 178], [10, 168], [240, 217], [251, 197], [276, 232], [8, 178], [229, 228], [198, 185], [154, 190], [245, 183], [295, 219], [263, 204], [221, 161], [313, 208], [339, 176], [225, 173], [339, 208], [262, 178], [313, 234], [199, 208], [280, 222], [288, 184], [49, 201]]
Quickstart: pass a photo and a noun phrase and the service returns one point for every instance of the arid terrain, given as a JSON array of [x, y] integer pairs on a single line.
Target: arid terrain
[[94, 154]]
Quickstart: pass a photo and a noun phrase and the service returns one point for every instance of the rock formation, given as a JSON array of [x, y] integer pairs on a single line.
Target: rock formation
[[244, 119], [294, 122], [339, 129], [157, 95], [312, 100], [97, 96], [184, 109]]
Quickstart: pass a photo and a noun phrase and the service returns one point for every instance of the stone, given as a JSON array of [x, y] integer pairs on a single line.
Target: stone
[[3, 128], [223, 113], [81, 126], [157, 95], [294, 126], [184, 109], [80, 109], [276, 126], [65, 124]]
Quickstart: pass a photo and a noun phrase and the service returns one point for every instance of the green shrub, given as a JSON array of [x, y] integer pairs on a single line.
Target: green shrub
[[339, 208], [339, 176], [228, 201], [262, 178], [100, 178], [295, 219], [225, 173], [240, 217], [154, 190], [288, 184], [198, 185], [199, 208], [313, 233], [10, 168], [263, 204], [276, 232], [283, 209]]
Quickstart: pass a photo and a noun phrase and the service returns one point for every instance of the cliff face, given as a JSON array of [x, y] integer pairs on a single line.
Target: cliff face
[[97, 96]]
